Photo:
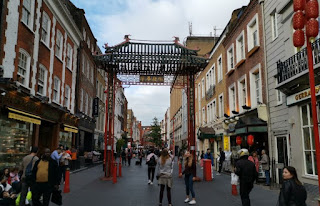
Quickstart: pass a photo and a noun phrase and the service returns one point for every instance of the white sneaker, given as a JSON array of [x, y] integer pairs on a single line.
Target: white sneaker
[[149, 182], [218, 173], [186, 200], [192, 202]]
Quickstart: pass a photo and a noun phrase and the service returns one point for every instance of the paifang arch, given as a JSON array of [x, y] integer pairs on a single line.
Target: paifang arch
[[138, 62]]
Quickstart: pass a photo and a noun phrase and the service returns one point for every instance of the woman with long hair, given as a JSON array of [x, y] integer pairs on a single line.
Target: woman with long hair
[[165, 169], [292, 191], [189, 174]]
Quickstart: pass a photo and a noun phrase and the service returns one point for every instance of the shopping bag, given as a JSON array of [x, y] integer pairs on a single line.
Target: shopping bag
[[56, 197], [234, 179]]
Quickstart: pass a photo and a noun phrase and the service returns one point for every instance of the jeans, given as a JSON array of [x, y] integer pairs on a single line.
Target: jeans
[[189, 184], [267, 173], [151, 173]]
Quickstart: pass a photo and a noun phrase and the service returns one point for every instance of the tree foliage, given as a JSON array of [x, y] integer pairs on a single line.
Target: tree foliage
[[155, 134]]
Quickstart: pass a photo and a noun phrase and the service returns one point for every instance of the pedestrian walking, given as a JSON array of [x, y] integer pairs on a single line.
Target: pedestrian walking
[[73, 157], [124, 157], [26, 178], [140, 155], [129, 156], [46, 179], [222, 157], [151, 161], [292, 191], [254, 158], [209, 156], [165, 169], [189, 175], [265, 163], [247, 173]]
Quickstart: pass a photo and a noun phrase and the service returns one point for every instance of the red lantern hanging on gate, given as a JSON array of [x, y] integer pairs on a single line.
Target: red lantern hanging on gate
[[298, 38], [250, 140], [211, 140], [299, 5], [312, 28], [298, 20], [238, 140]]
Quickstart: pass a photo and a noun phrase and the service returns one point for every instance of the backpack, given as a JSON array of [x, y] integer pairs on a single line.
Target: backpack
[[152, 162], [28, 172]]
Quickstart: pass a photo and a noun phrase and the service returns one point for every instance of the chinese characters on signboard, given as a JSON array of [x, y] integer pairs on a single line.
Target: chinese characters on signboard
[[151, 78]]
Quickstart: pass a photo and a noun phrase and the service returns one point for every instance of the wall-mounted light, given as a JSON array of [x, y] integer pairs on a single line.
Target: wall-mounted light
[[235, 112], [225, 115], [246, 107]]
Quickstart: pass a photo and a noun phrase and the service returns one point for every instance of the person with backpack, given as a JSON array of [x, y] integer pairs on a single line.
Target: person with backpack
[[129, 156], [151, 162], [292, 191], [26, 178]]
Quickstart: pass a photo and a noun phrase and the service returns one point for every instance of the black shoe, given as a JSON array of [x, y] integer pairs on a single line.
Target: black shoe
[[266, 184]]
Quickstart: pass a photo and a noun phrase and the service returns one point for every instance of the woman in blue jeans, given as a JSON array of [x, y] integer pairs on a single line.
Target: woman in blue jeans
[[189, 174]]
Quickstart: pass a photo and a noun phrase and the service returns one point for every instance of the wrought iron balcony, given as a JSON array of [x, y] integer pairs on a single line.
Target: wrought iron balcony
[[210, 92], [292, 74]]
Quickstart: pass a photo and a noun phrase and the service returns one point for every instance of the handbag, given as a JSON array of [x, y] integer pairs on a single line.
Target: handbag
[[56, 197]]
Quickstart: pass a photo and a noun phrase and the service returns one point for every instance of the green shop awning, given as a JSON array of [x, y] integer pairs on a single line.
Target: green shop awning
[[207, 133], [248, 124]]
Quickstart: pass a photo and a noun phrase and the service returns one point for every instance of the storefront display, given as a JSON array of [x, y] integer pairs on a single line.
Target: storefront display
[[15, 141], [65, 139]]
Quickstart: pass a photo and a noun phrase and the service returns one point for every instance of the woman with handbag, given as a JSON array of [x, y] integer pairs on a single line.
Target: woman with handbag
[[164, 175], [189, 174]]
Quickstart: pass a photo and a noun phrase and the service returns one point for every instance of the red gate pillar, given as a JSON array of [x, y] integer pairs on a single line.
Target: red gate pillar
[[108, 156], [191, 117]]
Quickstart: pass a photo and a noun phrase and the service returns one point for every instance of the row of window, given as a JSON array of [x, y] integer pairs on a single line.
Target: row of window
[[86, 103], [87, 68]]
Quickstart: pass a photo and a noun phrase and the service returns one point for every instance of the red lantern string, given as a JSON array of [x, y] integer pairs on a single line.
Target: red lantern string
[[298, 20], [312, 9], [298, 38], [250, 140], [238, 140], [312, 28], [299, 5]]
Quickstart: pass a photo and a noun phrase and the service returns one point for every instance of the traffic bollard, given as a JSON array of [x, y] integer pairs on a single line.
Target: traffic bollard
[[67, 181], [180, 169], [114, 178], [234, 190]]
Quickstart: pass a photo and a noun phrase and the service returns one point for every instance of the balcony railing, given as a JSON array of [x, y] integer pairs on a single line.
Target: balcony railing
[[297, 63], [210, 92]]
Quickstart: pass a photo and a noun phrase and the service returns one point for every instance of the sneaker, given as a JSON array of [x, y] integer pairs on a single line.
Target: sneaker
[[192, 202], [149, 182], [186, 200], [218, 173]]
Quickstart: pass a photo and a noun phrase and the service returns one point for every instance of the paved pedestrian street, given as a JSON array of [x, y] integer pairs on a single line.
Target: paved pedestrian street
[[132, 189]]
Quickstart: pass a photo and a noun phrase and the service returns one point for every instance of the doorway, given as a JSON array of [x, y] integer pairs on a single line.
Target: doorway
[[282, 156]]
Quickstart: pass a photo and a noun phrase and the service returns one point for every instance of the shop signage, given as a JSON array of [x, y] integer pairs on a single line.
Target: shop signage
[[303, 95], [231, 128], [23, 116], [69, 128], [95, 106], [226, 144], [151, 79]]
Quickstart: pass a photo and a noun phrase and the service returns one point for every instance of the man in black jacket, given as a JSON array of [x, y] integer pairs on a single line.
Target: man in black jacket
[[247, 173], [221, 160], [46, 179]]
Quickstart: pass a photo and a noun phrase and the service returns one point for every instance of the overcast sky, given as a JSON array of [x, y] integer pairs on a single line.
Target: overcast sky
[[110, 20]]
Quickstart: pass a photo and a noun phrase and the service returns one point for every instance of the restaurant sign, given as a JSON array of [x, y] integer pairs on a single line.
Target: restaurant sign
[[303, 95], [151, 78]]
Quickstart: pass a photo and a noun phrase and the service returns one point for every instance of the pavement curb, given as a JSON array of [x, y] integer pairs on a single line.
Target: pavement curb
[[85, 168]]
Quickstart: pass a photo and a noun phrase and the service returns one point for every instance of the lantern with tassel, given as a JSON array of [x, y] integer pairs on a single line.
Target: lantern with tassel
[[250, 140], [312, 28], [298, 20], [312, 9], [238, 140]]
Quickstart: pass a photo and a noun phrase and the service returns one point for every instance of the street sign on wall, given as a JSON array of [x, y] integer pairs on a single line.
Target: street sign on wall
[[95, 106]]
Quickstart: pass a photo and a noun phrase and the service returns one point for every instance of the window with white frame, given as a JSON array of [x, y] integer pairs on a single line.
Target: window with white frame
[[88, 42], [230, 57], [203, 88], [81, 100], [213, 80], [221, 108], [242, 91], [56, 89], [92, 74], [23, 67], [207, 81], [42, 80], [274, 25], [67, 97], [59, 42], [240, 47], [203, 115], [86, 104], [84, 34], [232, 98], [255, 86], [27, 14], [253, 33], [211, 112], [208, 113], [88, 69], [214, 109], [220, 70], [199, 92], [69, 57], [45, 28], [309, 152]]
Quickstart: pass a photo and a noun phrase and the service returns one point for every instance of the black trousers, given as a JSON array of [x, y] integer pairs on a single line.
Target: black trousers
[[151, 173], [220, 166], [38, 189], [168, 194], [245, 189]]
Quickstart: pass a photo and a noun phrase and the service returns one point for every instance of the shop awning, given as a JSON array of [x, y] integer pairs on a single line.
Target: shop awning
[[248, 124], [207, 133], [69, 128], [23, 116]]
